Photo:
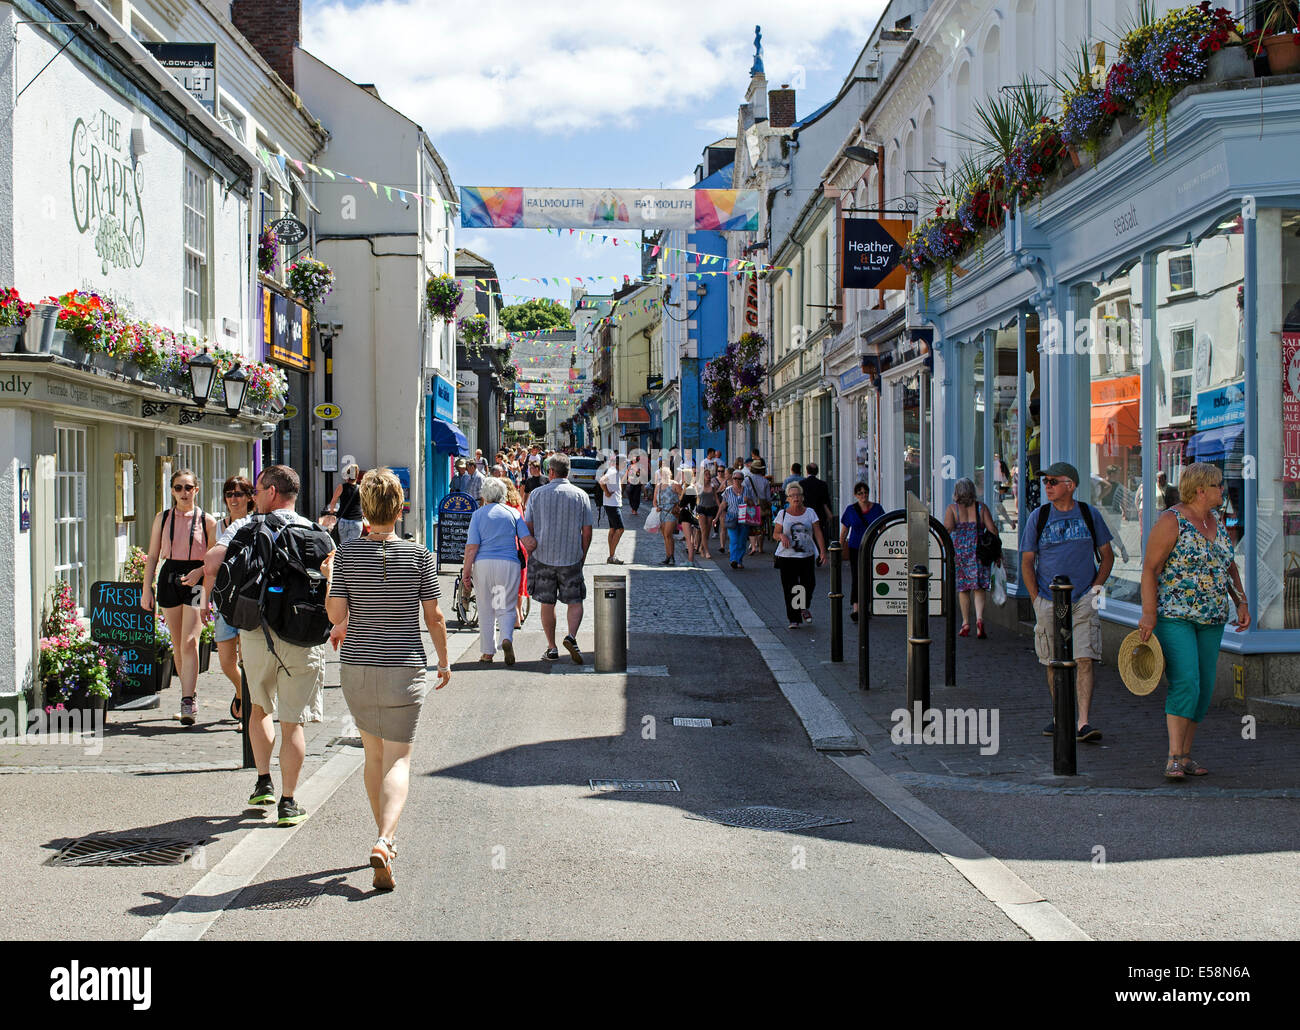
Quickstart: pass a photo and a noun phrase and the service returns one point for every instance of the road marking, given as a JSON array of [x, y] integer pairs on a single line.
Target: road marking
[[1024, 906], [195, 911]]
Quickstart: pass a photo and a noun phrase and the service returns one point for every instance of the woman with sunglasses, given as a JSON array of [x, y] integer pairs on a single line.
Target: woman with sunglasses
[[238, 494], [1188, 572], [181, 536]]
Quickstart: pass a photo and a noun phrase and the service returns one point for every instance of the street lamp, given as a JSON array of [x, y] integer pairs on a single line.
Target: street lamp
[[202, 369], [236, 383]]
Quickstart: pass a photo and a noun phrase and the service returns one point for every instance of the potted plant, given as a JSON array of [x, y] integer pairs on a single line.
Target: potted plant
[[207, 641], [1279, 35], [133, 567], [74, 671], [442, 296], [164, 660], [310, 279], [13, 313], [474, 331]]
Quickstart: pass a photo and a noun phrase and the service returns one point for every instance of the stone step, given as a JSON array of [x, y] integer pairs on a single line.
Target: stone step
[[1275, 709]]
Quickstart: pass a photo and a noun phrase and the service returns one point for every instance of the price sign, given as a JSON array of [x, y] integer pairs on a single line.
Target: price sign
[[116, 619], [328, 412], [454, 514]]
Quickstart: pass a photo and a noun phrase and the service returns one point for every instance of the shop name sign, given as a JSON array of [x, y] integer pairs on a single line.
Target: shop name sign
[[106, 191], [1222, 406], [872, 247]]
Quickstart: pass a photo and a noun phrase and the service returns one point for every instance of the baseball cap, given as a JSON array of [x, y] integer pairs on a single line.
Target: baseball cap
[[1063, 469]]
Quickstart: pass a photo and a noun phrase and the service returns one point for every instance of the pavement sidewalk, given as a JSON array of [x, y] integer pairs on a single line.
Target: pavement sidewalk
[[1002, 675]]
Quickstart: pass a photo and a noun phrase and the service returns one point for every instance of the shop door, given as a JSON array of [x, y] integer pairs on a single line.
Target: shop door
[[290, 444]]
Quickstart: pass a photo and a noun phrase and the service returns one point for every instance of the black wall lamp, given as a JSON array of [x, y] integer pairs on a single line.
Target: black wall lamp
[[203, 371]]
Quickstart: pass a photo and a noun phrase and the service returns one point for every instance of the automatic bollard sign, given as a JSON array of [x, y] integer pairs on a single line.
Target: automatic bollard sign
[[872, 249], [889, 571]]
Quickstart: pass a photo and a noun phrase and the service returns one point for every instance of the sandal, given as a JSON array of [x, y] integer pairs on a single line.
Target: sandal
[[965, 630], [235, 709], [381, 860], [1174, 769], [1193, 768]]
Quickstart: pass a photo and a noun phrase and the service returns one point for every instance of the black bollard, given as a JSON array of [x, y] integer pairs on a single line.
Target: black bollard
[[864, 617], [837, 603], [1063, 671], [918, 640], [245, 711]]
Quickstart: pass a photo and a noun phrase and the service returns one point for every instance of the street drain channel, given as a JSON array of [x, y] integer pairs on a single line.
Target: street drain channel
[[766, 817], [118, 851], [616, 785], [284, 895], [696, 723]]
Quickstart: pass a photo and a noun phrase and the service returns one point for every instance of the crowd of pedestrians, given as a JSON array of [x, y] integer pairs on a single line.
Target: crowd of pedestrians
[[532, 536]]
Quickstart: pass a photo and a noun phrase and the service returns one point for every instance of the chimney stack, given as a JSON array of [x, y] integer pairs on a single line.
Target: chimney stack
[[780, 107], [274, 27]]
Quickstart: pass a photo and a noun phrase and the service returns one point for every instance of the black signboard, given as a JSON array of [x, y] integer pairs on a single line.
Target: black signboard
[[289, 230], [454, 514], [872, 248], [193, 65], [117, 619]]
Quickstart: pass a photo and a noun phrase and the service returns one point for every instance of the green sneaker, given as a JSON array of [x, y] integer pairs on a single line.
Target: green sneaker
[[291, 813], [263, 792]]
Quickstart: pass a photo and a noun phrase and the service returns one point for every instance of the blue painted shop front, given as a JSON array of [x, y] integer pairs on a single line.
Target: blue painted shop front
[[1110, 325]]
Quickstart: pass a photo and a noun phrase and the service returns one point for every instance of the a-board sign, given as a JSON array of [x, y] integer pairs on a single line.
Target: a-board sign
[[116, 619], [454, 513]]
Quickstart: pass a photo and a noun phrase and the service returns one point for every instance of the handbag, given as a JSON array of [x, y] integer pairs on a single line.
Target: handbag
[[988, 545], [751, 513], [652, 520]]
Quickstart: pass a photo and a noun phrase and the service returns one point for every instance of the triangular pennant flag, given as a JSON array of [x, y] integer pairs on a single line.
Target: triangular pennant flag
[[329, 173], [374, 188], [388, 191]]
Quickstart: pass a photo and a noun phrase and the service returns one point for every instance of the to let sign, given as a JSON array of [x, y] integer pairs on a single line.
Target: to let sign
[[872, 248], [193, 65]]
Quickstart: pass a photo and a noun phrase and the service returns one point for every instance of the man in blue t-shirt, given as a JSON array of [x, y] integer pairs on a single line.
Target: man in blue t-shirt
[[1065, 547]]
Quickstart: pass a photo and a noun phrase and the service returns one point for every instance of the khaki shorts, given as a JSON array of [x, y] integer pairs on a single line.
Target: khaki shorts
[[1087, 629], [295, 695]]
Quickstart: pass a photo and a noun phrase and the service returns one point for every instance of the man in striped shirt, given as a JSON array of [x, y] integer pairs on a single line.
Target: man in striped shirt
[[559, 518]]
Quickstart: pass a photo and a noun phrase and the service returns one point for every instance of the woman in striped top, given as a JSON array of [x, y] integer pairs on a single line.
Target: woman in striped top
[[378, 584]]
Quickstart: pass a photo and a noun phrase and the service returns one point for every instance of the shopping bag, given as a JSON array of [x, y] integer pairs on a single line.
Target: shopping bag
[[652, 520], [998, 579]]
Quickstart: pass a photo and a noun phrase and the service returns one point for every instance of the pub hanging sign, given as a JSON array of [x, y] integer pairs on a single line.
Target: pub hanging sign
[[286, 331]]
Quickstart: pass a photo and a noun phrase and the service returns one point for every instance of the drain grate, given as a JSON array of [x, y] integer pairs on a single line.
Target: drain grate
[[696, 723], [274, 896], [767, 817], [613, 785], [128, 851]]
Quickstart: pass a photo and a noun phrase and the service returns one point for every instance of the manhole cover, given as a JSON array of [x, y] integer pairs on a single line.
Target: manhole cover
[[127, 851], [766, 817], [284, 895], [610, 785], [697, 723]]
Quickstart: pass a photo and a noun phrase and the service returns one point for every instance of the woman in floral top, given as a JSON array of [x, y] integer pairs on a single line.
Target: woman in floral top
[[1186, 573]]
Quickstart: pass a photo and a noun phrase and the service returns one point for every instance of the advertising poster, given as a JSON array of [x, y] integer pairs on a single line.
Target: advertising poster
[[1291, 407]]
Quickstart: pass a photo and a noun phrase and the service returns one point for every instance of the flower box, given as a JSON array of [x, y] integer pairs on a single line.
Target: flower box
[[1232, 62], [1283, 54], [10, 338]]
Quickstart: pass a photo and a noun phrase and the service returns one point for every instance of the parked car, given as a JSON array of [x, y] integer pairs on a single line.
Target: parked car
[[583, 473]]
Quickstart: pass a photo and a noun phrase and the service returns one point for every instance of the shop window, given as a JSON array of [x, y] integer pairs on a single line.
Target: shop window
[[1180, 273], [977, 436], [190, 456], [1277, 387], [70, 509], [196, 250], [217, 501], [1201, 413]]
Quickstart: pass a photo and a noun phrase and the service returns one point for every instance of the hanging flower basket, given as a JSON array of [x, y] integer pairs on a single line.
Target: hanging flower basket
[[310, 279], [442, 295], [268, 255], [475, 332]]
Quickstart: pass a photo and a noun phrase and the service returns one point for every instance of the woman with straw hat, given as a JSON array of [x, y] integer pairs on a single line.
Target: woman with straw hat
[[1186, 573]]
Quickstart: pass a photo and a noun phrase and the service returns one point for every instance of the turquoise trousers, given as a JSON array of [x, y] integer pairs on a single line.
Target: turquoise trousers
[[1191, 657]]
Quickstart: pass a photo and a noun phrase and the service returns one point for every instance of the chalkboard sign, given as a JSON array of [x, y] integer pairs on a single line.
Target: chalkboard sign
[[454, 514], [117, 619]]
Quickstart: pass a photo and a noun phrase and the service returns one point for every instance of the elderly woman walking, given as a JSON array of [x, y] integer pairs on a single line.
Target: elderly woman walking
[[492, 564], [1187, 572], [798, 534], [963, 520], [378, 585]]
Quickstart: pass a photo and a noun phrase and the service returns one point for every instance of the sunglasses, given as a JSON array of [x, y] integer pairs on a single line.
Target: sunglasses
[[238, 493], [1052, 480], [183, 489]]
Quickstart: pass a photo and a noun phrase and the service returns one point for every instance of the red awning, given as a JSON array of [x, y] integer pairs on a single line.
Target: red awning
[[1116, 424], [633, 415]]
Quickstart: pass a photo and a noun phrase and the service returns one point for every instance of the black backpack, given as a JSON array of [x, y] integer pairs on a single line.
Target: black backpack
[[1045, 512], [271, 578]]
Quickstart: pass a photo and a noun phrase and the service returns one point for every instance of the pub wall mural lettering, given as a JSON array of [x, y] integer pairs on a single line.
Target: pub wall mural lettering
[[106, 190]]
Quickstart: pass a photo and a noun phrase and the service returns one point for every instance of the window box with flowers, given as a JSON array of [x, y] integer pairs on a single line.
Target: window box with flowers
[[13, 314]]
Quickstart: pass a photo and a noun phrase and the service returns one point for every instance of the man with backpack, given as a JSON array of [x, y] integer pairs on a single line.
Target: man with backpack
[[270, 571], [1067, 538]]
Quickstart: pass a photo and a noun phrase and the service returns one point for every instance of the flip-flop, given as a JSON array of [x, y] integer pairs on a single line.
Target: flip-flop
[[235, 709]]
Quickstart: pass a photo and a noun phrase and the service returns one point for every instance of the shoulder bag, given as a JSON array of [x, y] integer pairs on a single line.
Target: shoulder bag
[[988, 545]]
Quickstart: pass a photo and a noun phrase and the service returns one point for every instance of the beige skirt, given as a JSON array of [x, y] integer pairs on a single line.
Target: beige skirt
[[384, 700]]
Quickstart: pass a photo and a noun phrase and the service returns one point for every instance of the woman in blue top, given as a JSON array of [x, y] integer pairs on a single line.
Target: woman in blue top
[[492, 565], [855, 522]]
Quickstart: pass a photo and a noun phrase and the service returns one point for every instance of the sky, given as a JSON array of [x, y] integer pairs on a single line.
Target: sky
[[594, 93]]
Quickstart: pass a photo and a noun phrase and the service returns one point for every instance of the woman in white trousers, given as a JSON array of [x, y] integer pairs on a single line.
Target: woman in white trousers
[[492, 565]]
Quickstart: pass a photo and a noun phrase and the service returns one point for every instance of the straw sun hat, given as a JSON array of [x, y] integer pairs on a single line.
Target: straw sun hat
[[1141, 663]]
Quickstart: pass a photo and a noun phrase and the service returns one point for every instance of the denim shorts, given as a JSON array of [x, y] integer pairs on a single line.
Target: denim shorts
[[221, 629]]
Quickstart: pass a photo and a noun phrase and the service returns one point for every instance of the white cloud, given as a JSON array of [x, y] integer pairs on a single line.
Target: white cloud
[[718, 128], [568, 67]]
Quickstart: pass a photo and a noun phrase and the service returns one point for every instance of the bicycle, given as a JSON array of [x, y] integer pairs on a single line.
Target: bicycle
[[465, 605]]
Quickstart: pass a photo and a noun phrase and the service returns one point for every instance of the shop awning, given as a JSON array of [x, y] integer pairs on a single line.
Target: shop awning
[[447, 437], [1116, 424], [1216, 444]]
